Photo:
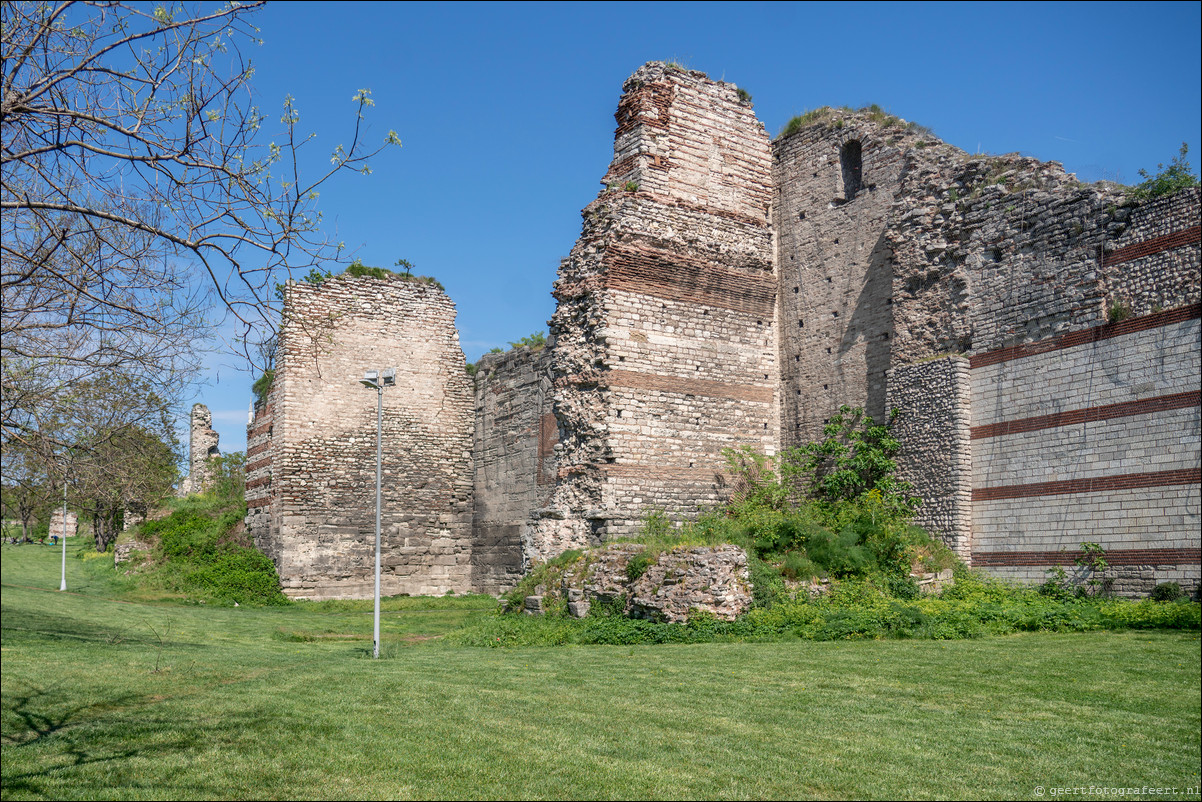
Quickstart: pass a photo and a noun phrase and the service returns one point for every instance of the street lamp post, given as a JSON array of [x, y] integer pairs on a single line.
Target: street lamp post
[[63, 584], [378, 380]]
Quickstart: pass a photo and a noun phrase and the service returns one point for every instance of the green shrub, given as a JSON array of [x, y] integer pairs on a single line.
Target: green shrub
[[1166, 592], [201, 553], [262, 385], [535, 341], [1174, 178], [802, 120]]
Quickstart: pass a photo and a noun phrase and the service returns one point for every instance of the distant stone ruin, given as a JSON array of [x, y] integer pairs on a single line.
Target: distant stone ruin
[[57, 529], [202, 445], [1039, 337]]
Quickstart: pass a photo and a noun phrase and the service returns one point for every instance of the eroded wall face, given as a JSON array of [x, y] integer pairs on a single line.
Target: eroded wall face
[[514, 460], [320, 520], [664, 345]]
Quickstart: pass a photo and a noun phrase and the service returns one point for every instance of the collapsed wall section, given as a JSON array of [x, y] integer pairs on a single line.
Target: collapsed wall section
[[664, 350], [311, 487], [514, 460]]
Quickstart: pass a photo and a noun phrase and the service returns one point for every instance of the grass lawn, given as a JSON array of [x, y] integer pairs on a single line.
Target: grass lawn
[[110, 696]]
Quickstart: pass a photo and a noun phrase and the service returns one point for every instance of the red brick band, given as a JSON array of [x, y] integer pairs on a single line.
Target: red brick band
[[674, 384], [1129, 481], [672, 277], [254, 466], [258, 502], [1151, 247], [985, 559], [257, 449], [259, 430], [262, 480], [1160, 403], [1087, 336]]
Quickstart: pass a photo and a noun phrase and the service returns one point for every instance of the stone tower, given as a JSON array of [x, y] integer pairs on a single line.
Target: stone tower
[[202, 444], [311, 446], [664, 352]]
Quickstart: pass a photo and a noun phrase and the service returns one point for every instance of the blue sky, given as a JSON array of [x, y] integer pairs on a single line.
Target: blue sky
[[505, 112]]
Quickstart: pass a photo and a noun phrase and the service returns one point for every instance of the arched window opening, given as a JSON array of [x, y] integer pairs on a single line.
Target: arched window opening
[[851, 160]]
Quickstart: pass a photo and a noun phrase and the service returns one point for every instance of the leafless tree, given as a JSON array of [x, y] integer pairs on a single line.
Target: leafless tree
[[140, 192]]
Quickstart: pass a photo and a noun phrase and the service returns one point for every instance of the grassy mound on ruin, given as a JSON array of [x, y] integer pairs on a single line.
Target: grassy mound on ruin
[[200, 553]]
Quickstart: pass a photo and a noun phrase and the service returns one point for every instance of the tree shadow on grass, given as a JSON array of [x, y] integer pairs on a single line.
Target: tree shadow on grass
[[116, 746]]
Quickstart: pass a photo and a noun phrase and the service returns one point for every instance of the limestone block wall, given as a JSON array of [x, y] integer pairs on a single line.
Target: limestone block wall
[[1091, 437], [262, 503], [313, 494], [664, 345], [514, 460]]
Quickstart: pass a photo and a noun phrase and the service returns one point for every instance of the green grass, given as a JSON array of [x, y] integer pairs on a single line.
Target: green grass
[[109, 696]]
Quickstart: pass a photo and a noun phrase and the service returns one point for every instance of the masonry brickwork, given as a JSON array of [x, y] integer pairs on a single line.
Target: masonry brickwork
[[1039, 337], [514, 459], [312, 443], [664, 351]]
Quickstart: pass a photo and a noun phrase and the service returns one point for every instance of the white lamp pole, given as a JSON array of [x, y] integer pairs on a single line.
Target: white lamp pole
[[378, 381], [63, 584]]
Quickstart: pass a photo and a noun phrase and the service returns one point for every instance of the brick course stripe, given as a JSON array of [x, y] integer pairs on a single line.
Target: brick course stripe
[[1161, 403], [1129, 481], [259, 430], [1150, 247], [985, 559], [673, 277], [1087, 336], [673, 384], [256, 465], [257, 449], [259, 502]]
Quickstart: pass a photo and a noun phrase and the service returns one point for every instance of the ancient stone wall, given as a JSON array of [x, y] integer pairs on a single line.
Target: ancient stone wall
[[514, 460], [314, 515], [932, 399], [664, 351], [202, 444], [1091, 437], [57, 529], [1010, 263], [835, 185]]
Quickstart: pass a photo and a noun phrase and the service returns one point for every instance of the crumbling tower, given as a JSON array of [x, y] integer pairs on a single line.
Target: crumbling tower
[[312, 443], [202, 445], [664, 348]]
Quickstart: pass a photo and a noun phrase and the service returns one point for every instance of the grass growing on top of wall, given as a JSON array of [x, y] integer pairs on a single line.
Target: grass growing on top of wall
[[150, 700]]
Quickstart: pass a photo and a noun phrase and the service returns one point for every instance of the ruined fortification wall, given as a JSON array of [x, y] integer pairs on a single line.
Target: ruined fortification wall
[[202, 444], [664, 348], [1030, 423], [316, 516], [513, 454], [1082, 430]]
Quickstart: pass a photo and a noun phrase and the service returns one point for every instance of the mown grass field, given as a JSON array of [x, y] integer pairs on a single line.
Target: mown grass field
[[109, 695]]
